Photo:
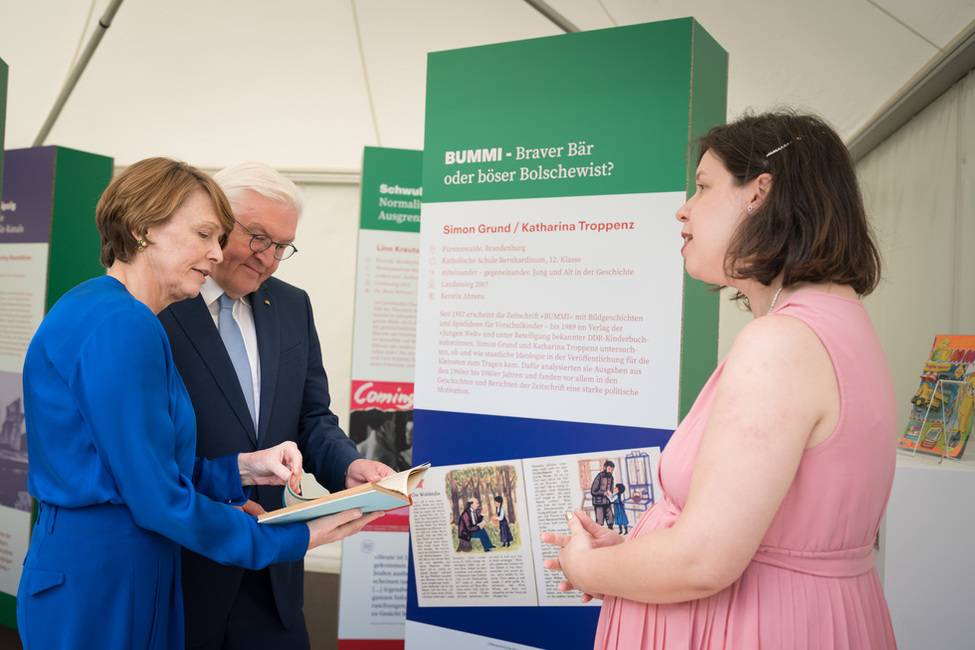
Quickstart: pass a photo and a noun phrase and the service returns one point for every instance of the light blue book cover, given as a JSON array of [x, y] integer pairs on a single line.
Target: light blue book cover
[[388, 494]]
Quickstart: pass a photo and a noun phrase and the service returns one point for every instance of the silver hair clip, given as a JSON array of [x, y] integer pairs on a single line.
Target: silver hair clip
[[782, 146]]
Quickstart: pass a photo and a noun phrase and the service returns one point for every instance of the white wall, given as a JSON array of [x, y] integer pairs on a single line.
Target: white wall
[[324, 266], [919, 187]]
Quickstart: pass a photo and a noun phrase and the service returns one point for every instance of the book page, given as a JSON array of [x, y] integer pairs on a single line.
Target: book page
[[484, 569], [388, 494], [401, 482], [404, 482], [368, 498], [501, 563], [560, 484]]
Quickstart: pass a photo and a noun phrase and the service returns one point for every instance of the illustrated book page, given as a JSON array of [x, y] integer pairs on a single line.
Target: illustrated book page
[[475, 529]]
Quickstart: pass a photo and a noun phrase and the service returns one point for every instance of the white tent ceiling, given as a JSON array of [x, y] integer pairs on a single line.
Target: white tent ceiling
[[305, 84]]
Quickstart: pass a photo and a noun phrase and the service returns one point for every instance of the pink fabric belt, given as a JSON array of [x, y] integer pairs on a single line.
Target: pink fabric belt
[[845, 563]]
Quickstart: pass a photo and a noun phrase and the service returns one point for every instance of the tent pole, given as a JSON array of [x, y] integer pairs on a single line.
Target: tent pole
[[953, 62], [69, 84], [561, 21]]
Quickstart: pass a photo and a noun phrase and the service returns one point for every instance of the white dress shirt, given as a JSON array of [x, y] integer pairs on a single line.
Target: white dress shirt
[[244, 315]]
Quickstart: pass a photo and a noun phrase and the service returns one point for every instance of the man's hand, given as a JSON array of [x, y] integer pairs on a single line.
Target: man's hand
[[364, 470], [274, 466]]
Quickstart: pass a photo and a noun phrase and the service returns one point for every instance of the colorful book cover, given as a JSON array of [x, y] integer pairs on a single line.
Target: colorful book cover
[[942, 407]]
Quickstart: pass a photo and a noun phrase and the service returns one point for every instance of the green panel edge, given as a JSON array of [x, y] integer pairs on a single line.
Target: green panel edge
[[384, 164], [79, 180], [653, 173], [699, 331], [8, 610]]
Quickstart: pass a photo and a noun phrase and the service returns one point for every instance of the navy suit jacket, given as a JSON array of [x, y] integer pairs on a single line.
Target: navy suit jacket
[[294, 406]]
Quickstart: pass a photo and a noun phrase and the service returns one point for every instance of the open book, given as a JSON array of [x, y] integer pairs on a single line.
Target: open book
[[388, 494], [476, 529]]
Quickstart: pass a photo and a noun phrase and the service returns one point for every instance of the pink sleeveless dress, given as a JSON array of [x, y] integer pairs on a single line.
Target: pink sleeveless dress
[[812, 584]]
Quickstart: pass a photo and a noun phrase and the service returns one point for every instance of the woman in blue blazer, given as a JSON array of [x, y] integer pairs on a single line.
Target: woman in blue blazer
[[111, 435]]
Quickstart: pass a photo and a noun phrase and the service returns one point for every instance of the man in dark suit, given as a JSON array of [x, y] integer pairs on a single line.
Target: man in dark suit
[[278, 392], [601, 491]]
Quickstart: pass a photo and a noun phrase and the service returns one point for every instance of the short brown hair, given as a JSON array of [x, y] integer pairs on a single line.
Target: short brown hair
[[812, 226], [146, 194]]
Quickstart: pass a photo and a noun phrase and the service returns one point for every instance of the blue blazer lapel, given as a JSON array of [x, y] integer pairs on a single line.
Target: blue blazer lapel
[[268, 325], [193, 316]]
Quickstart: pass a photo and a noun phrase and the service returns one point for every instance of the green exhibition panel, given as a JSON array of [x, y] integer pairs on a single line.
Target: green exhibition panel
[[557, 332]]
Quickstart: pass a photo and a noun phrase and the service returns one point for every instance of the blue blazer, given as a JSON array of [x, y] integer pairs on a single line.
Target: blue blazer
[[294, 406]]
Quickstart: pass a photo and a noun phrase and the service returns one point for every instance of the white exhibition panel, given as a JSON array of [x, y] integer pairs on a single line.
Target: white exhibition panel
[[481, 328]]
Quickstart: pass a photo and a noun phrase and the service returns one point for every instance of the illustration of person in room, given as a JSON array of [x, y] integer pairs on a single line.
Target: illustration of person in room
[[619, 509]]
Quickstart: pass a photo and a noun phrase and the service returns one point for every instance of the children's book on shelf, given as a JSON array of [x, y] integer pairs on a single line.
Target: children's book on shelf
[[941, 416], [388, 494]]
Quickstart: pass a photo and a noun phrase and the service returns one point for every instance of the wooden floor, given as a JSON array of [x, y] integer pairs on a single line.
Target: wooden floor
[[321, 612]]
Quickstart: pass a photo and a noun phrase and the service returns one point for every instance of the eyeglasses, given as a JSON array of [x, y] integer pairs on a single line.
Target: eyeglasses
[[260, 243]]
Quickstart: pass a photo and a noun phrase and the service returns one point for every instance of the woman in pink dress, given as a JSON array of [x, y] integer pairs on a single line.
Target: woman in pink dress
[[775, 483]]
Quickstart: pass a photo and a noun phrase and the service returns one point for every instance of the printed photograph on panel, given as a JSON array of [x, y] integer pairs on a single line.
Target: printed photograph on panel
[[13, 443], [386, 436]]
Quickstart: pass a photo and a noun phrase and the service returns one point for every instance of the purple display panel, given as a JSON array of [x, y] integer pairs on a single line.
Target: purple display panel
[[28, 196]]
